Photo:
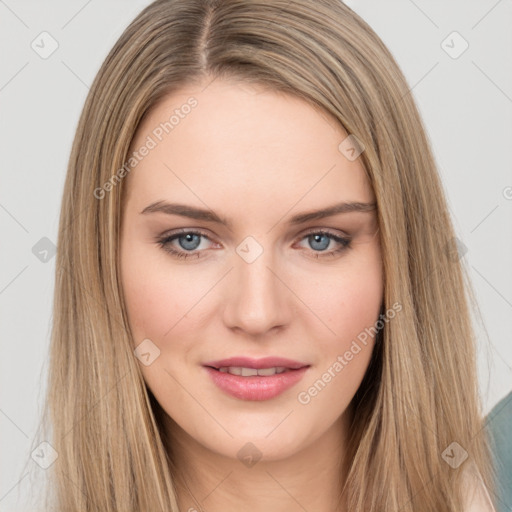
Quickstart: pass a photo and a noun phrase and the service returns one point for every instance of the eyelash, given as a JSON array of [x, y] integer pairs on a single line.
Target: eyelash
[[165, 241]]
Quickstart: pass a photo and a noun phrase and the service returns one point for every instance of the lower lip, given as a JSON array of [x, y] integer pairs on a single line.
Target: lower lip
[[256, 387]]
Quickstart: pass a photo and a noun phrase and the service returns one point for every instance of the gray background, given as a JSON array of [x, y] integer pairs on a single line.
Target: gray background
[[466, 104]]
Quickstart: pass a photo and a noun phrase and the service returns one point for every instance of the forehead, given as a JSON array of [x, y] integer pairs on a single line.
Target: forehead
[[241, 146]]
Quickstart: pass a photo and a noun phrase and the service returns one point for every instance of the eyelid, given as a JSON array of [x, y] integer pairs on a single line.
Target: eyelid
[[330, 231], [184, 231]]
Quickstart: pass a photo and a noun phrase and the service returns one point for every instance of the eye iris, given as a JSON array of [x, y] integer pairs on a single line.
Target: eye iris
[[189, 244], [315, 238]]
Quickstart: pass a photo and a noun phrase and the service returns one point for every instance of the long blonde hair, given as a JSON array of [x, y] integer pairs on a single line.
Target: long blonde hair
[[420, 393]]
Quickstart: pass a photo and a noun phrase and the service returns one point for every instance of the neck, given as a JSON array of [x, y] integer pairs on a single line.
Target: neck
[[310, 479]]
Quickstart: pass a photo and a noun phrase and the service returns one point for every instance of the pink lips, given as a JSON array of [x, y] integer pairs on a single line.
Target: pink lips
[[256, 387]]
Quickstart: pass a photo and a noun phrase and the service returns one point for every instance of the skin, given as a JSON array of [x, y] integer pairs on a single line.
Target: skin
[[255, 157]]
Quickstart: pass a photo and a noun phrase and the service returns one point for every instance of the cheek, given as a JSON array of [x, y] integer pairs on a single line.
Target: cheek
[[350, 307], [347, 300], [157, 297]]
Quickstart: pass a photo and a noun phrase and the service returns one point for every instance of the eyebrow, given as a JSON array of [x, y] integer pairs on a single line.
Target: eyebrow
[[192, 212]]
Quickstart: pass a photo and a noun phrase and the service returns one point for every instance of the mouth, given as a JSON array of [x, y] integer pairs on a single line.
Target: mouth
[[251, 372], [246, 363], [255, 379]]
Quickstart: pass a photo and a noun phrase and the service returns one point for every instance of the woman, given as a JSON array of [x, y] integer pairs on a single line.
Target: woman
[[259, 302]]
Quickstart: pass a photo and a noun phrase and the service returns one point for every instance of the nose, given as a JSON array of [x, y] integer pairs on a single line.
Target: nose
[[257, 299]]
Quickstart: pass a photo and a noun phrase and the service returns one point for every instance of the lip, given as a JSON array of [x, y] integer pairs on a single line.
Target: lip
[[256, 388], [265, 362]]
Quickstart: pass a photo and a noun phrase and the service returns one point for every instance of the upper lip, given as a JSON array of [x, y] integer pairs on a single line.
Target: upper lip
[[247, 362]]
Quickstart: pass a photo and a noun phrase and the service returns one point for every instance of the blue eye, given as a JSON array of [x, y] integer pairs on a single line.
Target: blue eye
[[320, 240], [189, 241]]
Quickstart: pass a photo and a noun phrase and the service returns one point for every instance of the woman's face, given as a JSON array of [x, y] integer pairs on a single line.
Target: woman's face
[[243, 277]]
